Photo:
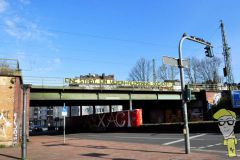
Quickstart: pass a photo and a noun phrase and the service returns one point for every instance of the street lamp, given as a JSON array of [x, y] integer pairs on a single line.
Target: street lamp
[[24, 122], [184, 101]]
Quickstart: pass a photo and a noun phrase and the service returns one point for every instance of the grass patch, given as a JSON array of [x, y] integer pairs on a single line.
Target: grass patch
[[2, 146]]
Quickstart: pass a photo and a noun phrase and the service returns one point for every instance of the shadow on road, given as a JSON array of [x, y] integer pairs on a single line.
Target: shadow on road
[[8, 156], [112, 148], [101, 155]]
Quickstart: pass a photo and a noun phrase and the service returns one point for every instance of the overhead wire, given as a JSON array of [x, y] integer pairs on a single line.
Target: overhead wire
[[80, 34]]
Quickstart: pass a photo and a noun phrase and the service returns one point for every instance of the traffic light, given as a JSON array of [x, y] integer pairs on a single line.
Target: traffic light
[[187, 93], [208, 51], [225, 72]]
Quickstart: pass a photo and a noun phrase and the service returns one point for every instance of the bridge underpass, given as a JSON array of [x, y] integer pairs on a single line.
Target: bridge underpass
[[157, 106]]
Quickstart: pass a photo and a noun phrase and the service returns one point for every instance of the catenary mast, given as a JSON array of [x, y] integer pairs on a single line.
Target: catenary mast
[[154, 71], [227, 70]]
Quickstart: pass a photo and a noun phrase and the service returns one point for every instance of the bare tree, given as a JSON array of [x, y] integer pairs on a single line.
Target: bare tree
[[142, 71], [166, 72], [191, 73], [204, 71], [5, 68], [209, 69]]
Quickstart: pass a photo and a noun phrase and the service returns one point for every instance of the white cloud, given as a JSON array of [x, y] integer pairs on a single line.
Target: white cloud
[[18, 26], [22, 29], [3, 6]]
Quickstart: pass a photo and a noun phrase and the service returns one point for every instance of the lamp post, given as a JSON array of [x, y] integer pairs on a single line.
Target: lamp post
[[24, 121], [180, 65]]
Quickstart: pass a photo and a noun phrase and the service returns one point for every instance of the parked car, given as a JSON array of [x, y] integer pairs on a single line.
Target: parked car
[[35, 128]]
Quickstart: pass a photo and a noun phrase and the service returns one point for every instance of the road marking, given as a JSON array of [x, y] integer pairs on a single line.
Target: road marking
[[124, 137], [142, 137], [181, 140], [210, 145], [218, 144]]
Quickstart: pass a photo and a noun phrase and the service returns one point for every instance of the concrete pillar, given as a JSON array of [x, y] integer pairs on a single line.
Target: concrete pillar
[[110, 108], [130, 101]]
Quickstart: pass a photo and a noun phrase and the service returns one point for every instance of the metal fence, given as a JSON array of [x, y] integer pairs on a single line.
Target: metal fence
[[44, 81], [9, 66], [59, 81]]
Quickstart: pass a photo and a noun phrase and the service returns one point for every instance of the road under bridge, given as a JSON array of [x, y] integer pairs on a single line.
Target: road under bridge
[[157, 105]]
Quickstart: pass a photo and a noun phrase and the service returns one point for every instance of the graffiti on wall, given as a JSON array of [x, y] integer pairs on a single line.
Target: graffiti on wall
[[4, 123], [127, 118], [15, 131], [118, 119]]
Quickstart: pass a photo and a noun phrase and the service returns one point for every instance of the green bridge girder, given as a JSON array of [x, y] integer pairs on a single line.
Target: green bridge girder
[[77, 93]]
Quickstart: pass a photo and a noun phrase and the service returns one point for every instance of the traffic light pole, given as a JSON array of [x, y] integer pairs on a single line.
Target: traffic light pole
[[184, 103]]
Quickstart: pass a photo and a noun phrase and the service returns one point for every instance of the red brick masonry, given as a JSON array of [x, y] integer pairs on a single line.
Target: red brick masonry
[[52, 148]]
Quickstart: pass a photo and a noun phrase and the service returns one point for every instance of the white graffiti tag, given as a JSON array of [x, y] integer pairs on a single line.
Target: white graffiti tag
[[101, 122], [4, 124], [117, 119], [15, 131], [112, 119], [120, 119]]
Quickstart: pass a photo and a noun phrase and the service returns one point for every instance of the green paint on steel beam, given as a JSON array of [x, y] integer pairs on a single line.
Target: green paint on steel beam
[[169, 96], [144, 96], [112, 96], [79, 96], [44, 96]]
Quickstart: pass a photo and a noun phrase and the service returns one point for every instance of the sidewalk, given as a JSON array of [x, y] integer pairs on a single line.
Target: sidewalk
[[52, 148]]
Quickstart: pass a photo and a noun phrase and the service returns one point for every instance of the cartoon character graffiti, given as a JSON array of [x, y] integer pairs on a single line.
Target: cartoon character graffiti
[[226, 122]]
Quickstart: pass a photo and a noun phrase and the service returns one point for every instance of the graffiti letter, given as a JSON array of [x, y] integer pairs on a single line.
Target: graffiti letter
[[120, 119], [101, 120]]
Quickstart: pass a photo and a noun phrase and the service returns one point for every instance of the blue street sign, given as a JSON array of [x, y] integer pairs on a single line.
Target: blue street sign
[[236, 98], [64, 111]]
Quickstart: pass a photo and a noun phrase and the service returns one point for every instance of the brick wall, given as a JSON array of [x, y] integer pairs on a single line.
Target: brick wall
[[11, 106]]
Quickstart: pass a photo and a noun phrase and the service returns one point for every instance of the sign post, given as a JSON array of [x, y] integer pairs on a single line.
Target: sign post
[[184, 102], [180, 63], [64, 114]]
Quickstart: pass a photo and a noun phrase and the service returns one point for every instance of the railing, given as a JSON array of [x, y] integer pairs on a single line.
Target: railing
[[44, 81], [59, 81], [208, 87], [9, 67]]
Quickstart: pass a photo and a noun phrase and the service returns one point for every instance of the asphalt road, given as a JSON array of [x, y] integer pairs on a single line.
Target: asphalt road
[[202, 142]]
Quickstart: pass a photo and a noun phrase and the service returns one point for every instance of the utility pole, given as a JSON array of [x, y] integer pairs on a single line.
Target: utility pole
[[154, 71], [209, 53], [24, 121], [227, 70]]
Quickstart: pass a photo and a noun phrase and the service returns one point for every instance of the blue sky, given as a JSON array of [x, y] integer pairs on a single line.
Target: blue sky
[[75, 37]]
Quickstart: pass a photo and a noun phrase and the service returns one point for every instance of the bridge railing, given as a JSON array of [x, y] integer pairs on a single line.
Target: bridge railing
[[59, 81], [9, 67], [44, 81], [208, 87]]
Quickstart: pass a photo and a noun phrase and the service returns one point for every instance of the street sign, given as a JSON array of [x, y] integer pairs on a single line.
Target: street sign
[[64, 111], [64, 114], [174, 62], [236, 98]]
